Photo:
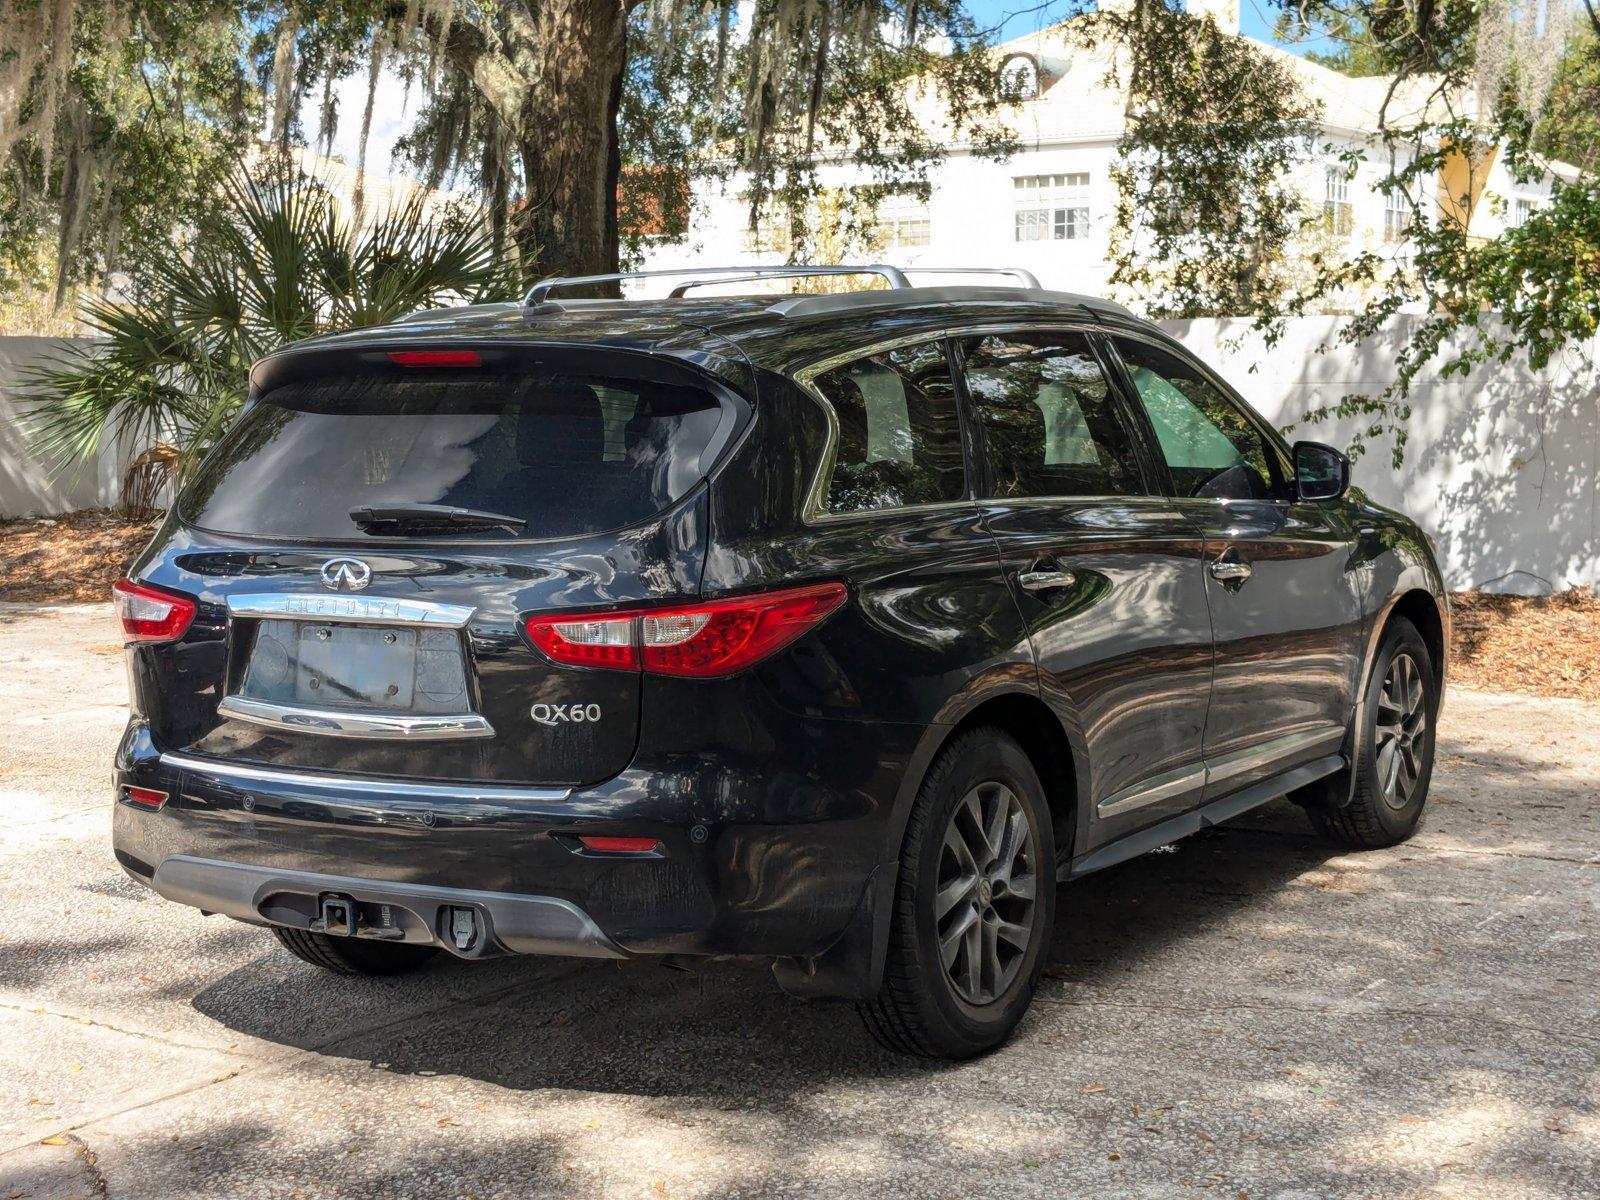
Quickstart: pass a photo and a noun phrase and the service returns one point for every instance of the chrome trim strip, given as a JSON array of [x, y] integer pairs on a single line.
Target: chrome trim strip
[[354, 610], [1170, 784], [352, 783], [332, 722], [1156, 788], [1326, 739]]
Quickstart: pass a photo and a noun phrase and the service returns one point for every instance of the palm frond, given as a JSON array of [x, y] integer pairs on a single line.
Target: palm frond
[[275, 262]]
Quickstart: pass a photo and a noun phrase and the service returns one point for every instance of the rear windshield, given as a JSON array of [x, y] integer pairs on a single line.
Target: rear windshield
[[568, 454]]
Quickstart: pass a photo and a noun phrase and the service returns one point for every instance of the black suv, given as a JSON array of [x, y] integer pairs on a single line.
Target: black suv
[[830, 629]]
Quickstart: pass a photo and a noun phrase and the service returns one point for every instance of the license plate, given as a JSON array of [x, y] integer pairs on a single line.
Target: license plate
[[369, 667]]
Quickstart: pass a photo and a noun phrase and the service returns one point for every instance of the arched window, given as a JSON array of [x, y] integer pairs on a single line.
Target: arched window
[[1019, 77]]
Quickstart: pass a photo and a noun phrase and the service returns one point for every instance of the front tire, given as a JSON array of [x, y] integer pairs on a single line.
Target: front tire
[[353, 956], [1393, 747], [974, 904]]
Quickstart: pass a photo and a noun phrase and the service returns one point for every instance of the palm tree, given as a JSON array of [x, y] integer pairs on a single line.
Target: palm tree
[[276, 262]]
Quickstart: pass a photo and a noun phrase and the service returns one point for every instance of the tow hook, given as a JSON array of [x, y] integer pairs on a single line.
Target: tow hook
[[463, 928]]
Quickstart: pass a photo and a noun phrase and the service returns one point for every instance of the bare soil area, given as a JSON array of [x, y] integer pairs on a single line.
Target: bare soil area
[[70, 558], [1533, 645]]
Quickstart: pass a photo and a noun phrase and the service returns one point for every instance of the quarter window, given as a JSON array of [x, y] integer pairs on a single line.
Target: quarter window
[[899, 440], [1050, 424], [1051, 207], [1211, 448]]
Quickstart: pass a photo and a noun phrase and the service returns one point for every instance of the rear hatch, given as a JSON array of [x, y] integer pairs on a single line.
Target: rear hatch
[[367, 542]]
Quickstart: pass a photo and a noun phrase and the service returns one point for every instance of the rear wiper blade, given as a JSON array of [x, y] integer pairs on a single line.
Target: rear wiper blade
[[430, 518]]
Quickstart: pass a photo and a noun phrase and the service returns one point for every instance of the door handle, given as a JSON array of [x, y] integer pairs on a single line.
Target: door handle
[[1231, 570], [1044, 581]]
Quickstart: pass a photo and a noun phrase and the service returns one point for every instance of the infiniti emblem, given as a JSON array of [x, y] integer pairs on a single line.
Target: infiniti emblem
[[346, 574]]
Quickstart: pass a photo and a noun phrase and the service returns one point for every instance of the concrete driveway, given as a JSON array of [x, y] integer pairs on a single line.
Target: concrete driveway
[[1250, 1014]]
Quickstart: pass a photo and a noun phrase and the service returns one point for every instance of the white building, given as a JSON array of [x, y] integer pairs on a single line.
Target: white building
[[1049, 207]]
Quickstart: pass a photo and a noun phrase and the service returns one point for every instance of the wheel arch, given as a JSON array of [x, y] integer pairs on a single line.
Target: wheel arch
[[1423, 610]]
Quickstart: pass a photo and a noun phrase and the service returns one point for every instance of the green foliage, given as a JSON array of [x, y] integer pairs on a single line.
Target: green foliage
[[274, 262], [1207, 206], [862, 78], [1569, 129], [1530, 291], [151, 104]]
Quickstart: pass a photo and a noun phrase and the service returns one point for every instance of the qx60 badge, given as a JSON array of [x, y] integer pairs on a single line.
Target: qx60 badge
[[345, 574], [556, 714]]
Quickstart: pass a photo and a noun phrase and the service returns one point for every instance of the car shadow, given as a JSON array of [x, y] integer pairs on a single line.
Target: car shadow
[[724, 1033]]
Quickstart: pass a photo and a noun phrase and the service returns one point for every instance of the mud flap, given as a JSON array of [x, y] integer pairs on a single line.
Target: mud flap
[[852, 967]]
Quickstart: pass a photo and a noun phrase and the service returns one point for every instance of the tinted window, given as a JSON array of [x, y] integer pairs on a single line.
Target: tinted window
[[899, 437], [1211, 447], [1050, 424], [570, 454]]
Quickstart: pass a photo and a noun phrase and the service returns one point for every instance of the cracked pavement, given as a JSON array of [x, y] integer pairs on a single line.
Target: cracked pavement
[[1251, 1013]]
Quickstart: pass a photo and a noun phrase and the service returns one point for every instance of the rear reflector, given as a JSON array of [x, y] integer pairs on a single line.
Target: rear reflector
[[435, 358], [705, 640], [144, 797], [620, 845], [149, 615]]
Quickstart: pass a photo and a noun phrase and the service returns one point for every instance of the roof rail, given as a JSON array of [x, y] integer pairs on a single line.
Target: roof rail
[[540, 291], [817, 306], [1024, 277]]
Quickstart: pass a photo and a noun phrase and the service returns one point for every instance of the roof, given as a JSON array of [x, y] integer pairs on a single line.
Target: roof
[[780, 333]]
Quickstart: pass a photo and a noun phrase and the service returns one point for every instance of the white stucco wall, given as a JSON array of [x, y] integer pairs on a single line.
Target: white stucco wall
[[27, 488]]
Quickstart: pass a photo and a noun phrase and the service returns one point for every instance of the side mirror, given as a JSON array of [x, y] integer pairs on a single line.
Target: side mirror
[[1320, 472]]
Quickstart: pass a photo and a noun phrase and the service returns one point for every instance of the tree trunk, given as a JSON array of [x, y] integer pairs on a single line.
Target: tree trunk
[[567, 139]]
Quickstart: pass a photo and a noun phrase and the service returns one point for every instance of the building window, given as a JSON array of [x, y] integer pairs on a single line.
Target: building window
[[1397, 214], [1336, 207], [1052, 207], [1019, 78], [903, 221], [1521, 210]]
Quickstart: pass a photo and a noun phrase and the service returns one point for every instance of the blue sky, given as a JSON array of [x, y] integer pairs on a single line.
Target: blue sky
[[1016, 17]]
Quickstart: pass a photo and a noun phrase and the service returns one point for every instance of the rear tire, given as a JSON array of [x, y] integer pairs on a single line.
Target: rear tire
[[1393, 747], [353, 956], [977, 877]]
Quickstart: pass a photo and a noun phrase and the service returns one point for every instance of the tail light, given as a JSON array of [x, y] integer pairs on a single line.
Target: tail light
[[149, 615], [705, 640]]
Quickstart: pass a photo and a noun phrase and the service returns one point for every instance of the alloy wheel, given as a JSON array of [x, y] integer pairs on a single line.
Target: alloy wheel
[[984, 904], [1402, 722]]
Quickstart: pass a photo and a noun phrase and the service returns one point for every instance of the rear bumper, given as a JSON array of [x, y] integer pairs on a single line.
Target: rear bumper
[[402, 912], [765, 858]]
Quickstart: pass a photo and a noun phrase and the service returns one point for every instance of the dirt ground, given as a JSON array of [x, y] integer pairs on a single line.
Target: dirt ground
[[1545, 646], [68, 558], [1252, 1014]]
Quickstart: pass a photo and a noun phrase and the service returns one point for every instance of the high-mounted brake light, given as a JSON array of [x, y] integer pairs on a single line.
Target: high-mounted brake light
[[149, 615], [705, 640], [435, 358]]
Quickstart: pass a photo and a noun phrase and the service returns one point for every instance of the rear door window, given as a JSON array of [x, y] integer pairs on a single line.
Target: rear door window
[[899, 439], [569, 454], [1051, 425]]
